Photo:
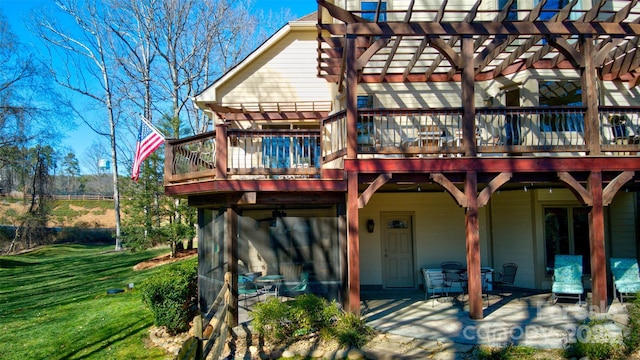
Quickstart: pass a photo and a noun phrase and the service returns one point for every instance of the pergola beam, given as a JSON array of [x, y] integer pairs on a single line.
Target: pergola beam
[[486, 28]]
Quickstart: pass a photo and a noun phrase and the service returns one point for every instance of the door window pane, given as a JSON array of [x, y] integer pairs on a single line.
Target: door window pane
[[581, 236], [566, 232], [556, 233], [397, 224]]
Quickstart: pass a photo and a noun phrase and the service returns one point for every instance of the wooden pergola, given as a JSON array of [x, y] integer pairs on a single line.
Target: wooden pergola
[[467, 45]]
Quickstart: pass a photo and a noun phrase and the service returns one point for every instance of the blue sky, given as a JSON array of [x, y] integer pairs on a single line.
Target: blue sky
[[80, 139]]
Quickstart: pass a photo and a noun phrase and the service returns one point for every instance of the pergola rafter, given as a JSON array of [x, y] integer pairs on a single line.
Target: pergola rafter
[[418, 50]]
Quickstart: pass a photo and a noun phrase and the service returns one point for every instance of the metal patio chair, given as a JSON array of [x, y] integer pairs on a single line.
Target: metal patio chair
[[298, 288], [434, 282], [626, 280], [246, 288], [505, 278]]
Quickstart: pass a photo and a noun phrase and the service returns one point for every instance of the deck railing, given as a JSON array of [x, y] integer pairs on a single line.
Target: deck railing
[[620, 129], [292, 153], [261, 153], [558, 130], [191, 158]]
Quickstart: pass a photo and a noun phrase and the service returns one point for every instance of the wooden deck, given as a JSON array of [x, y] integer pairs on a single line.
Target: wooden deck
[[256, 154]]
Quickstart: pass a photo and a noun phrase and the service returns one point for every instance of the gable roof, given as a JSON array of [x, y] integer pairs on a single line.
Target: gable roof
[[208, 94]]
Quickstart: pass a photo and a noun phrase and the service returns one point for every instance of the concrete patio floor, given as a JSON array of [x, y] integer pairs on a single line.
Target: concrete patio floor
[[518, 317]]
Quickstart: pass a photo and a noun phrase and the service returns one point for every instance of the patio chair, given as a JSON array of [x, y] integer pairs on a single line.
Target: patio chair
[[298, 288], [505, 278], [626, 280], [247, 287], [454, 274], [434, 281], [567, 278]]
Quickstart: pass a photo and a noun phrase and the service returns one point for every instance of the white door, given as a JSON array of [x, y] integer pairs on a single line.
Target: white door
[[397, 250]]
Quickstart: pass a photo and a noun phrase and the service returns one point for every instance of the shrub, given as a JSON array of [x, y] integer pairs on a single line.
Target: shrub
[[632, 337], [312, 313], [85, 235], [595, 344], [171, 294], [281, 322], [510, 352], [272, 320], [352, 331]]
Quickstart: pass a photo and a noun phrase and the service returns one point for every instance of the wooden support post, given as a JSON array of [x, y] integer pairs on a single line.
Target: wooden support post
[[344, 255], [353, 243], [221, 151], [168, 162], [231, 241], [473, 245], [468, 98], [599, 300], [351, 96], [590, 97]]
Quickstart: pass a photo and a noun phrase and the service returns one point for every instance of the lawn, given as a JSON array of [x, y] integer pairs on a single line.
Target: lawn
[[54, 305]]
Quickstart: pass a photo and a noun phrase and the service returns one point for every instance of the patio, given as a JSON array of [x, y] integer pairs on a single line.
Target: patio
[[520, 317]]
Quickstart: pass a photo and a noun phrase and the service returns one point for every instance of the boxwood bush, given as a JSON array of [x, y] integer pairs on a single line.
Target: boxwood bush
[[171, 294]]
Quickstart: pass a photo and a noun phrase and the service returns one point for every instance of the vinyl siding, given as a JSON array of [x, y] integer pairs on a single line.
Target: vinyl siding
[[513, 234], [438, 229], [286, 72], [623, 220]]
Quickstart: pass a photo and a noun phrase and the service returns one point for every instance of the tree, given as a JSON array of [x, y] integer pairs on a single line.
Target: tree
[[90, 69], [98, 180], [71, 170], [28, 106], [32, 230], [167, 50]]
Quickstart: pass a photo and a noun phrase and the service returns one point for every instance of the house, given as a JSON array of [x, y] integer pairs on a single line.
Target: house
[[374, 138]]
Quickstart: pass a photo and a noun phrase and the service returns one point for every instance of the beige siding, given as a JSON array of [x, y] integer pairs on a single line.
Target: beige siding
[[285, 72], [624, 221], [513, 219], [417, 95], [618, 94], [513, 234], [438, 229]]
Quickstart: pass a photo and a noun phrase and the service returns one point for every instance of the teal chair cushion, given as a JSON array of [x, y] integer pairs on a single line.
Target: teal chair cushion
[[625, 274], [567, 288], [567, 274], [628, 287]]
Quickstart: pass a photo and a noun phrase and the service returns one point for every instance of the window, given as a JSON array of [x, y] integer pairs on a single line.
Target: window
[[513, 13], [397, 224], [365, 123], [365, 101], [370, 8], [566, 232], [512, 122], [551, 7], [281, 152], [561, 93]]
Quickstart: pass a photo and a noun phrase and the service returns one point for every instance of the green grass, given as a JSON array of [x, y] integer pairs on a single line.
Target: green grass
[[54, 305]]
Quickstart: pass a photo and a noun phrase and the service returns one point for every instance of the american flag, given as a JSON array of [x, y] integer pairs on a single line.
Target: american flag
[[149, 139]]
